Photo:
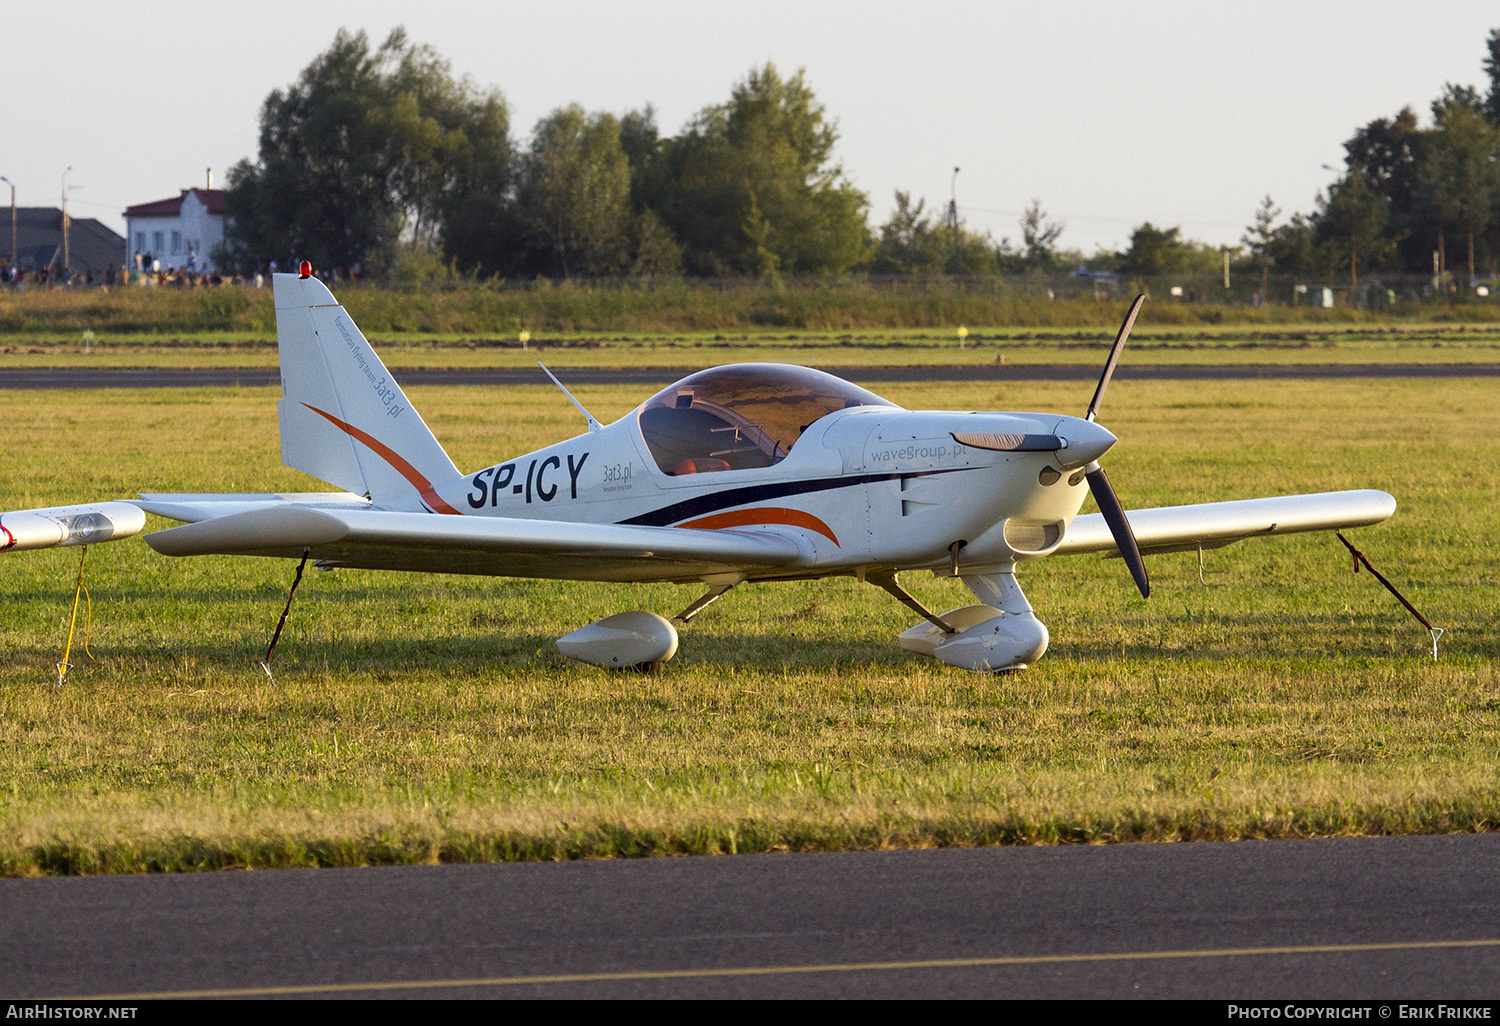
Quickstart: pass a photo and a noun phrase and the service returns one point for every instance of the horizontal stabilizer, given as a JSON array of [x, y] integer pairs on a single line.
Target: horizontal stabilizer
[[192, 507], [1210, 525], [503, 546]]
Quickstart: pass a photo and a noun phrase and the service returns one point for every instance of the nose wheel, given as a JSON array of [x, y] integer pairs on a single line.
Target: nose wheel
[[1000, 633]]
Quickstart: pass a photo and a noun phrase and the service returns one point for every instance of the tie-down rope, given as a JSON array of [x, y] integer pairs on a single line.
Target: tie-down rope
[[81, 591], [1359, 557]]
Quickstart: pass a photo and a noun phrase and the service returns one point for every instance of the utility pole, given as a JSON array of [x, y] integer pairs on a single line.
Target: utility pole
[[65, 270], [953, 210], [12, 219], [952, 220]]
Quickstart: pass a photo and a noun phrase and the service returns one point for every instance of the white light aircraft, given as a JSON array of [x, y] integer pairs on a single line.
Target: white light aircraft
[[744, 473]]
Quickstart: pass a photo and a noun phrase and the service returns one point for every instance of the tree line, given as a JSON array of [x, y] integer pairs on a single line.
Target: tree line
[[379, 162], [1414, 196]]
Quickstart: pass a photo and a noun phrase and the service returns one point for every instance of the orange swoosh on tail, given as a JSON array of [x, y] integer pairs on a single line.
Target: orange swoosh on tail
[[385, 452], [763, 515]]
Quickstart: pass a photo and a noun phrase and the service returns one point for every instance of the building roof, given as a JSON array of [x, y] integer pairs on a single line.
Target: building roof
[[213, 199], [91, 245]]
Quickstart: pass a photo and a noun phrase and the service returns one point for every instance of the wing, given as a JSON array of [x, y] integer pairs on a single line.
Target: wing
[[340, 535], [1210, 525]]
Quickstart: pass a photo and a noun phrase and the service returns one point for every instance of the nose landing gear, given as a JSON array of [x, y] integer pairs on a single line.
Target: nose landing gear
[[1002, 633]]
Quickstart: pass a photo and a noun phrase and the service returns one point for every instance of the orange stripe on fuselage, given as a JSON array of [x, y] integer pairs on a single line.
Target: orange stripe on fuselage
[[385, 452], [763, 515]]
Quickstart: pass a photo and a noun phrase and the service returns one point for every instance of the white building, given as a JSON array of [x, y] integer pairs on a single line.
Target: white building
[[181, 232]]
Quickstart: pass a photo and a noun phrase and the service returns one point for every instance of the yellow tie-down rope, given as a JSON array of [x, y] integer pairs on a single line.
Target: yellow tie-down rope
[[81, 591]]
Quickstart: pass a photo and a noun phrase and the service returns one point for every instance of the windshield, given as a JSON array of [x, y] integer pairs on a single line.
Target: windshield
[[742, 416]]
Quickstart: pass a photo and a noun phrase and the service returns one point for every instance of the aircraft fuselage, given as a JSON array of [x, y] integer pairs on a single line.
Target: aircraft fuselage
[[872, 485]]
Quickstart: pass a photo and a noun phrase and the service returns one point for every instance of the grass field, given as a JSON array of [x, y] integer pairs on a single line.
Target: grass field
[[686, 324], [676, 305], [419, 718], [1375, 344]]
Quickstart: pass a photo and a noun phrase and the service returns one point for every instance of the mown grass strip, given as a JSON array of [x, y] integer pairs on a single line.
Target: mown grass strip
[[668, 305], [409, 841]]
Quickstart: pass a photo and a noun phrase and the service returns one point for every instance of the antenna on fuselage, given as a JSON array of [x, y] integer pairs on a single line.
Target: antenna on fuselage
[[593, 424]]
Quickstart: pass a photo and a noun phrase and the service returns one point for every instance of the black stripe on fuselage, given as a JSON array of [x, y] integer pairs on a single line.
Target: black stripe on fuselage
[[702, 505]]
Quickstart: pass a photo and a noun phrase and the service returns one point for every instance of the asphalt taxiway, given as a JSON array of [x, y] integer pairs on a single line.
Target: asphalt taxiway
[[1377, 918]]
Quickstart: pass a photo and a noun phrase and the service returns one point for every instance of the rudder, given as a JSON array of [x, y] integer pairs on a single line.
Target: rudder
[[343, 418]]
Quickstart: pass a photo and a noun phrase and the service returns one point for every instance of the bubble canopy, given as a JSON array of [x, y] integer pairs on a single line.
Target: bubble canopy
[[742, 416]]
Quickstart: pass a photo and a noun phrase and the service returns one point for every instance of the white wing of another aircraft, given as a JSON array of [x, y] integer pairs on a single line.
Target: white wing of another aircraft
[[751, 472]]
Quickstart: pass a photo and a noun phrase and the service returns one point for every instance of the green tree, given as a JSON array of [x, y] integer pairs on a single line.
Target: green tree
[[1155, 251], [1388, 153], [366, 152], [754, 190], [321, 188], [908, 241], [1039, 238], [476, 225], [1293, 247], [646, 151], [1260, 237], [574, 192], [1352, 221], [1492, 69], [912, 243], [1458, 176], [574, 198]]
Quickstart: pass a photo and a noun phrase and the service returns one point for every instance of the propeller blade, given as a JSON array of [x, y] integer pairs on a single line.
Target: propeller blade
[[1119, 526], [1114, 357]]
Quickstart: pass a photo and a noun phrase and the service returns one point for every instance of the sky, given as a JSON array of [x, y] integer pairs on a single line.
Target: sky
[[1181, 114]]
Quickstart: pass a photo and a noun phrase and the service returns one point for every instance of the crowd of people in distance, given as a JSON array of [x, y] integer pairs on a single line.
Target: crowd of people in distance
[[147, 270], [20, 277]]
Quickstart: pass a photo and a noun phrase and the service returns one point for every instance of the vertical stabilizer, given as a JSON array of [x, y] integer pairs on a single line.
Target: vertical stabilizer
[[343, 417]]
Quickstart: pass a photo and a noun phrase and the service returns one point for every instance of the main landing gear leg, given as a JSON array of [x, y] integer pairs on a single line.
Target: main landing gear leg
[[711, 596]]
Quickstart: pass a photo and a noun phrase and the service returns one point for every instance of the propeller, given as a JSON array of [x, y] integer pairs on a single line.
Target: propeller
[[1099, 486], [1114, 357]]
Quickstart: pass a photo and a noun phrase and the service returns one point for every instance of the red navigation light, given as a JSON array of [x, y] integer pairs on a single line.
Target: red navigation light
[[306, 270]]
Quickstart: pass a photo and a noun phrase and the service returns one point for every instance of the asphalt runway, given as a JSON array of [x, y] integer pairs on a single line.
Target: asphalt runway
[[1392, 918], [221, 377]]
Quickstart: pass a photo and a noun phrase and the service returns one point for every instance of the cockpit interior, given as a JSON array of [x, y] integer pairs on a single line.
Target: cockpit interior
[[742, 416]]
